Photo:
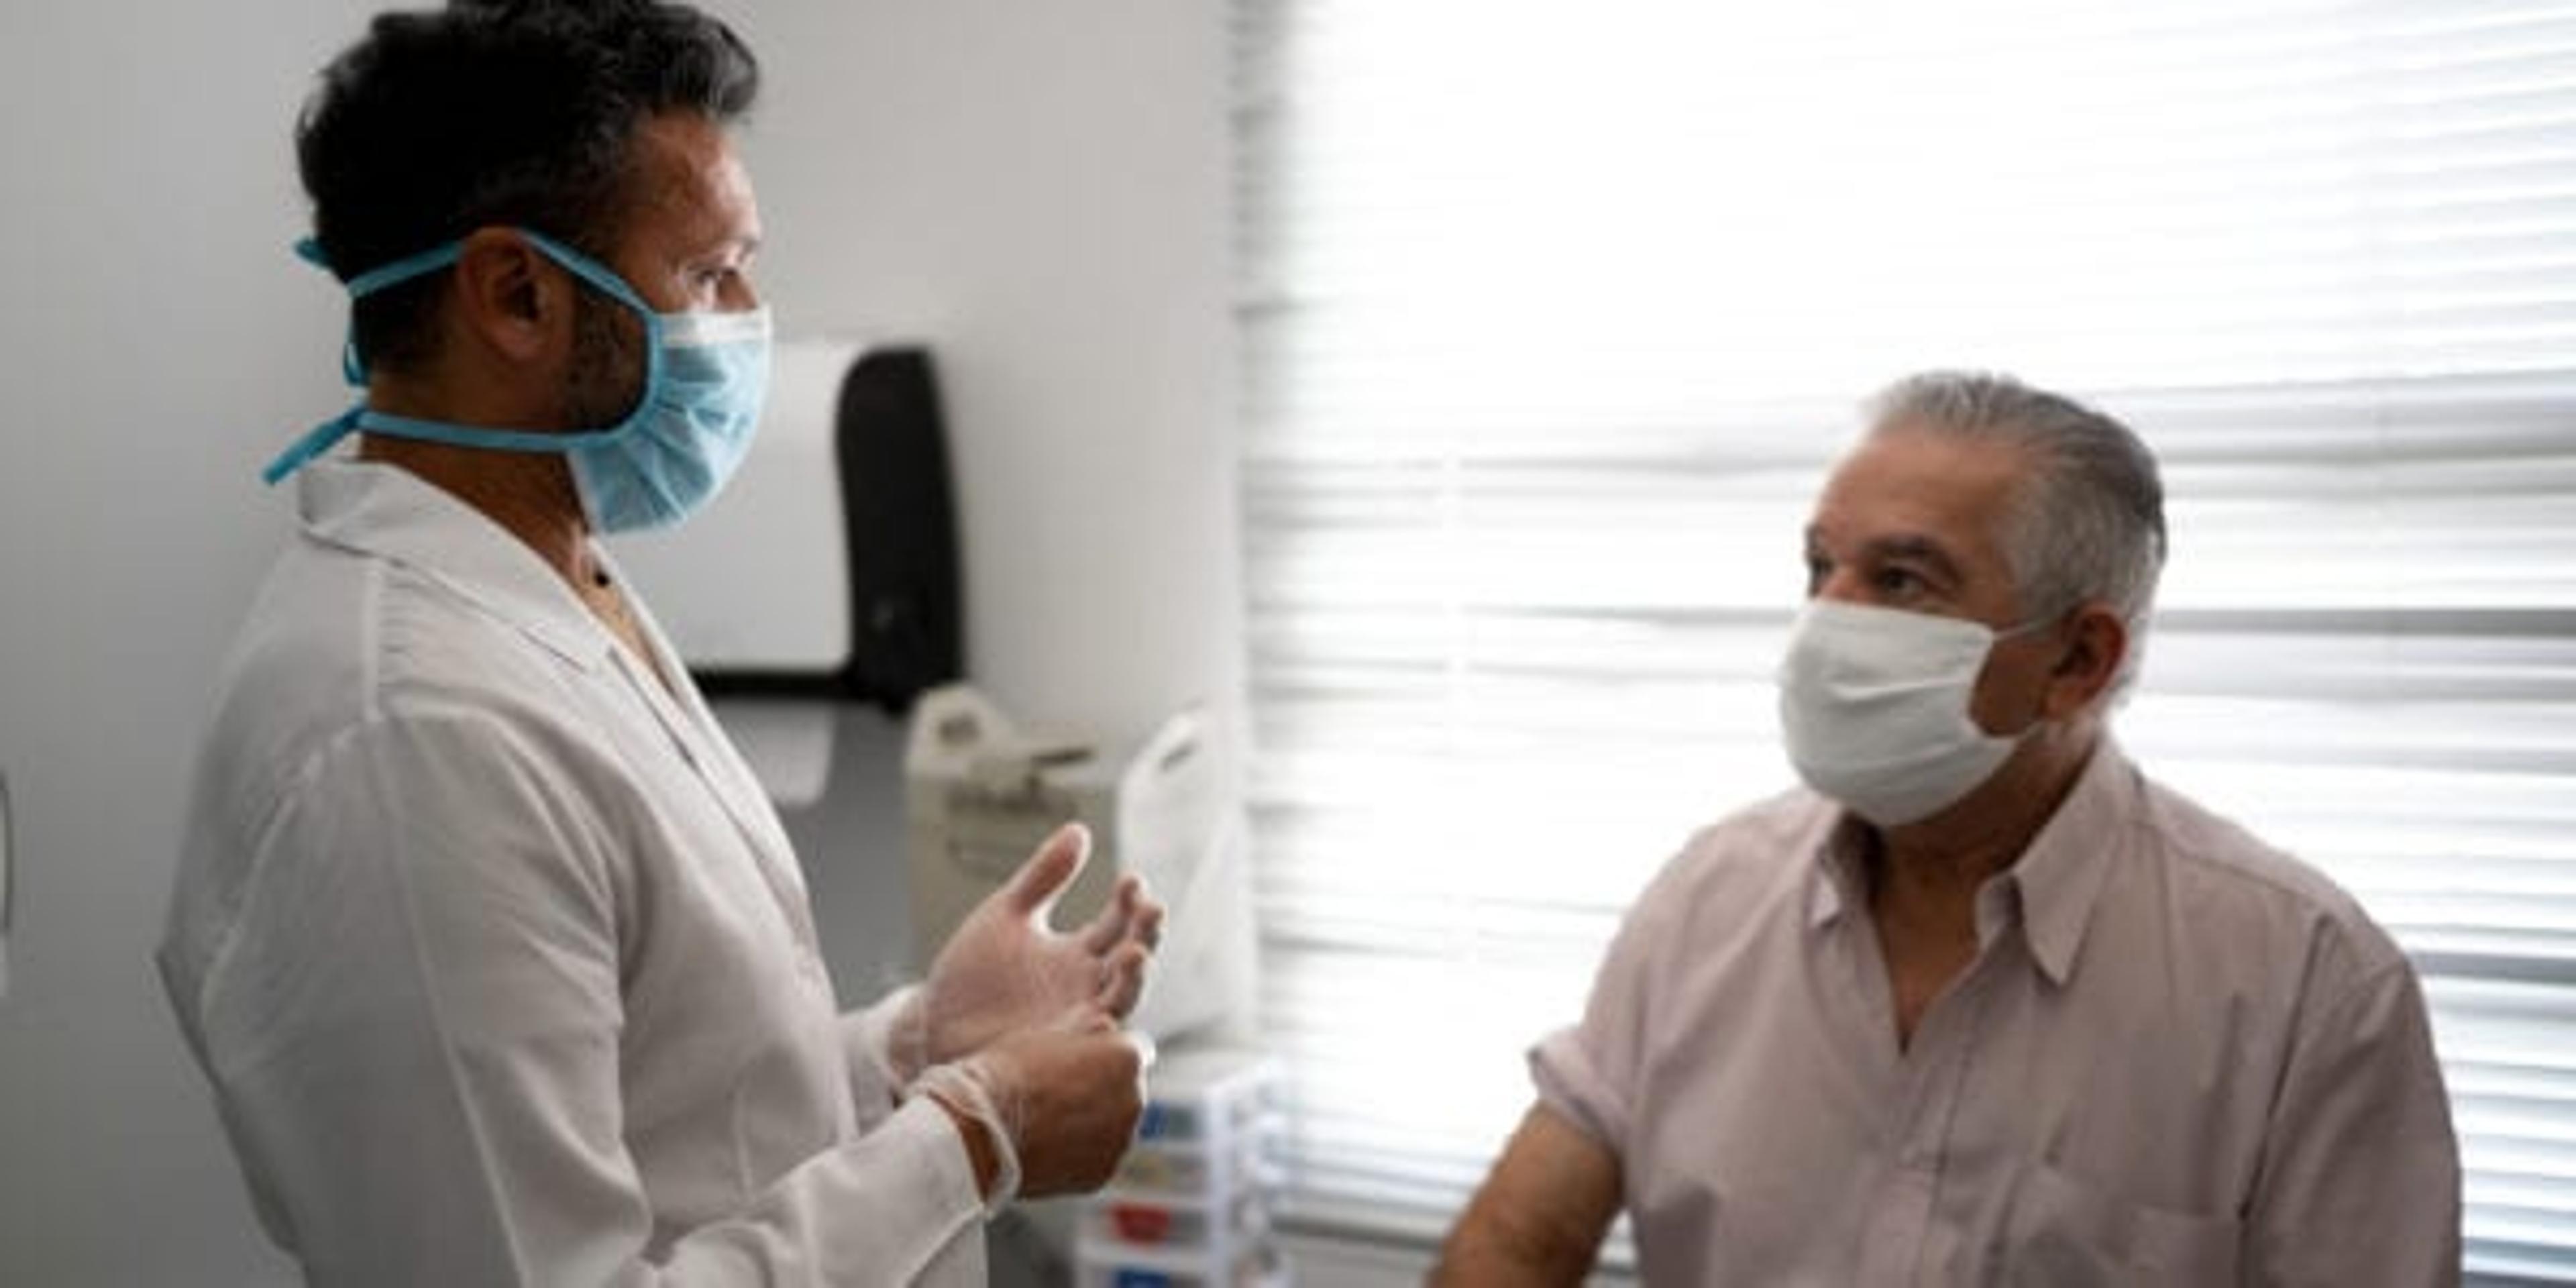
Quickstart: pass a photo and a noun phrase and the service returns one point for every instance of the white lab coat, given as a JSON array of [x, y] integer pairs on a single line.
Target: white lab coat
[[497, 958]]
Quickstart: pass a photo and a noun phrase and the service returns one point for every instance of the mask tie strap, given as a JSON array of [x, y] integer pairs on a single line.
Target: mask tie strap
[[321, 438], [316, 441], [352, 371]]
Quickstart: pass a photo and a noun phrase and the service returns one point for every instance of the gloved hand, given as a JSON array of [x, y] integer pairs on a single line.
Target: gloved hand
[[1006, 969], [1059, 1103]]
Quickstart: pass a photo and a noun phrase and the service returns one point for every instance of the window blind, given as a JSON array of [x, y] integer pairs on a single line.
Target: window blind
[[1553, 316]]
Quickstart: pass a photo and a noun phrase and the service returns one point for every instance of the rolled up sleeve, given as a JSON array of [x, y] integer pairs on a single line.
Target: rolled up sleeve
[[1589, 1073]]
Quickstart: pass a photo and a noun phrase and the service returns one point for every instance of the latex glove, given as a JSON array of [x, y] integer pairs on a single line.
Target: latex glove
[[1006, 969], [1058, 1103]]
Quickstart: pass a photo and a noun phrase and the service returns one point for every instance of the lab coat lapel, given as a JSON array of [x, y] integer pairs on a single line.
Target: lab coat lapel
[[710, 754], [388, 512]]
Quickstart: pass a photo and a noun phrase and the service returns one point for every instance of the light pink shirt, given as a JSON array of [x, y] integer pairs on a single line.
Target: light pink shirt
[[2180, 1057]]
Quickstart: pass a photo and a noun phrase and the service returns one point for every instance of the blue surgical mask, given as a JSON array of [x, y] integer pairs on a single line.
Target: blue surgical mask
[[705, 375]]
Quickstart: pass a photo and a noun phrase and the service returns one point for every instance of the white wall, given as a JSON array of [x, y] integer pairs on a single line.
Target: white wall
[[1041, 191], [1038, 190], [160, 340]]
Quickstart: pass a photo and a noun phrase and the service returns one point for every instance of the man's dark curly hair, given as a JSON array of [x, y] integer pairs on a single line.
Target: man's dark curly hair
[[516, 112]]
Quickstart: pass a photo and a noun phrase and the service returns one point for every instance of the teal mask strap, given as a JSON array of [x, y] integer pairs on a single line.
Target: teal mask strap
[[321, 438], [316, 441]]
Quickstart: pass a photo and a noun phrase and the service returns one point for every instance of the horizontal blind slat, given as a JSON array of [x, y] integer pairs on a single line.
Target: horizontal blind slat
[[1537, 387]]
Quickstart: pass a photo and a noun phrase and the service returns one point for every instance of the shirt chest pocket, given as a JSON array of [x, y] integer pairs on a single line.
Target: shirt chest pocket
[[2067, 1233]]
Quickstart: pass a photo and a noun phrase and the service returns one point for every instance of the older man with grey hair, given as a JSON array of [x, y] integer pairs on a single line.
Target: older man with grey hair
[[1984, 1004]]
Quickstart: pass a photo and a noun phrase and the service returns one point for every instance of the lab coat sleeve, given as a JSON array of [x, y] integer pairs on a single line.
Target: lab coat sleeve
[[2360, 1179], [420, 1048]]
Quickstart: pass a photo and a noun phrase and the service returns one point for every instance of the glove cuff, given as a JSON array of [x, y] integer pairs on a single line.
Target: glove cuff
[[964, 1088]]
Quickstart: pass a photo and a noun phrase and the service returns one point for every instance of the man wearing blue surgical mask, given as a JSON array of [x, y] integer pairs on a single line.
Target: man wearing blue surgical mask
[[1982, 1005], [497, 959]]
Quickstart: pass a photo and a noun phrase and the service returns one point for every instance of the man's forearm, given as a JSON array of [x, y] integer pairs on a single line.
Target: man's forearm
[[1488, 1250], [1539, 1218]]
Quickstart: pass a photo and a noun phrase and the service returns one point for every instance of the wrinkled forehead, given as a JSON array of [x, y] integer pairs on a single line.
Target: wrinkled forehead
[[1904, 483]]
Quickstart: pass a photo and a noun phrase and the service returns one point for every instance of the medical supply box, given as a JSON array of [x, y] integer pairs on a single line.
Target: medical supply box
[[1191, 1204]]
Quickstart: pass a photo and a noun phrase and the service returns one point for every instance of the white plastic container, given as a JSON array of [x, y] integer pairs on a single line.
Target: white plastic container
[[1190, 1205]]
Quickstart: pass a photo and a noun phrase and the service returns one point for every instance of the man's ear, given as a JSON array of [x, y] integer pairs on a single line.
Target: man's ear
[[508, 298], [2095, 641]]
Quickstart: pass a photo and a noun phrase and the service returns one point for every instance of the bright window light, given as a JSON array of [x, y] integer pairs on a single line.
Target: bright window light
[[1553, 315]]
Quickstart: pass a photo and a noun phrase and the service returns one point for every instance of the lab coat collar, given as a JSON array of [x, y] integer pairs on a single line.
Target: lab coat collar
[[2049, 892], [388, 512]]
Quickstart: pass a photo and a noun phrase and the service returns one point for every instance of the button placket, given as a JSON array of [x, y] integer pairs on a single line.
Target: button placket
[[1930, 1078], [1893, 1235]]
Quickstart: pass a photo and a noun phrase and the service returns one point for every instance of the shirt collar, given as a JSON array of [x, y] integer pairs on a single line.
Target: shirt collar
[[2054, 884], [2061, 875], [390, 513], [1842, 872]]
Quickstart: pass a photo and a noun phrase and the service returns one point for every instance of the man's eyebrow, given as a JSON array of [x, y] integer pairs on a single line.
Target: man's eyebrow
[[730, 246], [1915, 548], [713, 244]]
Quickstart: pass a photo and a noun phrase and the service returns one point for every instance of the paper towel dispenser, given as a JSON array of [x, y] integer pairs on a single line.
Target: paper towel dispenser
[[980, 793], [828, 568]]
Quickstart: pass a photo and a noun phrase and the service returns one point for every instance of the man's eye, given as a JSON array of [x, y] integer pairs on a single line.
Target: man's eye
[[1898, 581]]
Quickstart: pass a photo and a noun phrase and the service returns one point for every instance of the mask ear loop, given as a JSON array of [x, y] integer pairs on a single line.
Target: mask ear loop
[[2132, 625], [2129, 624], [2072, 619], [2032, 627]]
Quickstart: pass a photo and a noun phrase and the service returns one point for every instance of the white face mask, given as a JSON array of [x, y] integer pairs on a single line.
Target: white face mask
[[1874, 706]]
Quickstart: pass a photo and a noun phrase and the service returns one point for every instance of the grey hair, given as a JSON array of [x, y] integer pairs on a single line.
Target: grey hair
[[2088, 522]]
